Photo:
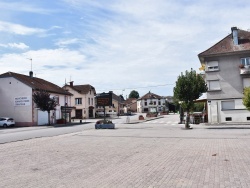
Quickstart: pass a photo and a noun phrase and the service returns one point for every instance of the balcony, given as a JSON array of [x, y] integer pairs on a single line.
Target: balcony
[[245, 70]]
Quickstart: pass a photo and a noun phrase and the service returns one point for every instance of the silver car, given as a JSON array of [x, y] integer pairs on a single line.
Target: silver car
[[7, 122]]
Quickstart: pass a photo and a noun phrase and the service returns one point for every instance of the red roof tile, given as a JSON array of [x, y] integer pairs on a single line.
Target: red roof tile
[[226, 45], [36, 83]]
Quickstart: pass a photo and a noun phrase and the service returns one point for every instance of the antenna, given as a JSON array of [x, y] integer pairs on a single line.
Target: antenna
[[30, 63]]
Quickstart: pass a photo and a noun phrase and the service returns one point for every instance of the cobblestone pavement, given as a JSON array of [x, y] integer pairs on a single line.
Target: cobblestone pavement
[[137, 155]]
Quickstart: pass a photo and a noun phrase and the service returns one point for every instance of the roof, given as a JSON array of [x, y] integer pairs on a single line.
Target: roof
[[130, 100], [226, 45], [36, 83], [84, 89], [150, 95]]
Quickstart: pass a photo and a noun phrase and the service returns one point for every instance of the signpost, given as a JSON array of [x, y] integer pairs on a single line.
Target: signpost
[[104, 99]]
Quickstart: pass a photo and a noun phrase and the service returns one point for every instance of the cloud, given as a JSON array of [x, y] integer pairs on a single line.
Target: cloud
[[19, 29], [20, 46], [66, 42], [24, 7]]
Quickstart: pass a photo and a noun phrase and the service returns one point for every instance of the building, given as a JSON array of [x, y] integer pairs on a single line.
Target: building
[[17, 99], [151, 102], [227, 72], [130, 105], [83, 100], [117, 107]]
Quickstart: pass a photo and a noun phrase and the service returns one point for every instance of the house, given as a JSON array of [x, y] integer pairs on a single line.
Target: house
[[83, 100], [17, 99], [151, 102], [227, 72], [116, 108], [130, 105]]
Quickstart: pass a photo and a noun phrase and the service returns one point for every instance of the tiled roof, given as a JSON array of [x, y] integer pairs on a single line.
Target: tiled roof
[[150, 95], [36, 83], [130, 100], [226, 45], [84, 89]]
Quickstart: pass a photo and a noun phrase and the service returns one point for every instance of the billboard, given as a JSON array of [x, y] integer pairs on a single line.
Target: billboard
[[104, 99]]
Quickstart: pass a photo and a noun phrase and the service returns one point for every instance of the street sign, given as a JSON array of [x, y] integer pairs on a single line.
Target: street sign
[[104, 99]]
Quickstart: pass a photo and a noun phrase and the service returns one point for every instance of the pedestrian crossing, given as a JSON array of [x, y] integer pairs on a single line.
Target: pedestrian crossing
[[166, 122]]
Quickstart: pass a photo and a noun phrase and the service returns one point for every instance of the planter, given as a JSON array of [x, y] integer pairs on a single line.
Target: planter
[[60, 121], [105, 126], [141, 117]]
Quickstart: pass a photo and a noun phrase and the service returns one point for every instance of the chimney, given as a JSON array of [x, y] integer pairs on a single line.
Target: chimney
[[235, 35], [71, 83], [31, 74]]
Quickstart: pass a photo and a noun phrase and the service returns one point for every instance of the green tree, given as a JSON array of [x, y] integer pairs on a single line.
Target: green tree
[[246, 98], [44, 102], [134, 94], [189, 87]]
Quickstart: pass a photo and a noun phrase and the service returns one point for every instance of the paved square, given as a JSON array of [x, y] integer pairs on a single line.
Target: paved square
[[137, 155]]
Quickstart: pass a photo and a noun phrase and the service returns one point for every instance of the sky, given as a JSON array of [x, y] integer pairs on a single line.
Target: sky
[[114, 45]]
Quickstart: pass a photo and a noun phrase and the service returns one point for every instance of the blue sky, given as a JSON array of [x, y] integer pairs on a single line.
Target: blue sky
[[117, 45]]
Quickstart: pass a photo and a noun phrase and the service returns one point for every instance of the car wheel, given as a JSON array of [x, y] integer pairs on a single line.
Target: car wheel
[[4, 125]]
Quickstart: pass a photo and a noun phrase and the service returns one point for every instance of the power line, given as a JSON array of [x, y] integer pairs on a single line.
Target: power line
[[135, 87]]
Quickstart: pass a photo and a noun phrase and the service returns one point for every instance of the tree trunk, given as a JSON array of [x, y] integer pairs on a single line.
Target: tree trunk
[[49, 117], [187, 120]]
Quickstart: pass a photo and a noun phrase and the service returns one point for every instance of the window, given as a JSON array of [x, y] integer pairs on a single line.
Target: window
[[212, 66], [245, 61], [89, 100], [159, 102], [145, 103], [227, 105], [213, 85], [154, 102], [228, 118], [246, 82], [56, 98], [78, 101]]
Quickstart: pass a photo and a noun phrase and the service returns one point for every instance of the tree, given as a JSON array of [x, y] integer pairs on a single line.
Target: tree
[[189, 87], [44, 102], [134, 94], [246, 97]]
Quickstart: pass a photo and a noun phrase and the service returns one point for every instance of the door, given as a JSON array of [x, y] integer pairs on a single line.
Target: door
[[78, 114]]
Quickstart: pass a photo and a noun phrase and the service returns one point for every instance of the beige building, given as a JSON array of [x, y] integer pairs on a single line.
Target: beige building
[[116, 108], [83, 100], [17, 102]]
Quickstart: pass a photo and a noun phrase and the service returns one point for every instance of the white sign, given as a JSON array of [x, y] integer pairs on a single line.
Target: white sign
[[22, 101]]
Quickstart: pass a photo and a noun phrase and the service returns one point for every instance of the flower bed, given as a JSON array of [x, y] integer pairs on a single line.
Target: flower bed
[[104, 124]]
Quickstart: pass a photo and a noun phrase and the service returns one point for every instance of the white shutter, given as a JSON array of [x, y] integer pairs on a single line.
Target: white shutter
[[226, 105], [246, 82], [214, 85]]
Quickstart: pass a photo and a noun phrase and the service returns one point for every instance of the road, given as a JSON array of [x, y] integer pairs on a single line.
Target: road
[[157, 153], [24, 133]]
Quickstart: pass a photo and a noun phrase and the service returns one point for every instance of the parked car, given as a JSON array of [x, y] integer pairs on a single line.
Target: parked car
[[7, 122]]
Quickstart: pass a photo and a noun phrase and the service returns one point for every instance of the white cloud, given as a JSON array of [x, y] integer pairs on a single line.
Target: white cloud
[[19, 29], [66, 42], [20, 46]]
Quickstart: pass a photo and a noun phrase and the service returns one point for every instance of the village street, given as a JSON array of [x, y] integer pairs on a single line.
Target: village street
[[24, 133], [149, 154]]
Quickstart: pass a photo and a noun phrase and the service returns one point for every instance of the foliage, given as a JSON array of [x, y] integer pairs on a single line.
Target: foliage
[[44, 102], [134, 94], [189, 87], [246, 98], [198, 107]]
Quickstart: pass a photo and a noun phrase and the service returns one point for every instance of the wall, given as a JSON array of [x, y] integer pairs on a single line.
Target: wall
[[11, 88], [217, 115]]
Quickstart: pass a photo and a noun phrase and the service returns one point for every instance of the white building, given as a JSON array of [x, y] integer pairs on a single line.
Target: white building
[[151, 102], [16, 100]]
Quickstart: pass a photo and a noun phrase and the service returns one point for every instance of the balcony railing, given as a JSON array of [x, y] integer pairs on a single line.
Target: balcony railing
[[245, 70]]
